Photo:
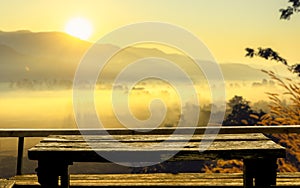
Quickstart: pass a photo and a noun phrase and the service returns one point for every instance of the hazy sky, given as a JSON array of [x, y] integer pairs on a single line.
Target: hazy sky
[[226, 26]]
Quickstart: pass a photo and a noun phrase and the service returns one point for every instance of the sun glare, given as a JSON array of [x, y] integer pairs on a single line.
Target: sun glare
[[80, 28]]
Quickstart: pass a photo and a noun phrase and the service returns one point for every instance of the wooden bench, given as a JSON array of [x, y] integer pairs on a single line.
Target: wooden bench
[[57, 152]]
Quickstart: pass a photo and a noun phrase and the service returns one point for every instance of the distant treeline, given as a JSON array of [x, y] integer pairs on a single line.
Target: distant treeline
[[54, 84], [47, 84], [264, 82]]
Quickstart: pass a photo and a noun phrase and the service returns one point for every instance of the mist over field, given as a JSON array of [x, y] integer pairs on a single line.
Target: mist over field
[[21, 108]]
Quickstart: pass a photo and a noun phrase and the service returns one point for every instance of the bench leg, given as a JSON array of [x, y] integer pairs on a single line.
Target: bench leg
[[266, 173], [65, 177], [262, 170], [248, 173], [48, 174]]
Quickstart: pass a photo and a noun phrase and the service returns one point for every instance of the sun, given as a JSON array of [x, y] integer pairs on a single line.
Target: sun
[[80, 28]]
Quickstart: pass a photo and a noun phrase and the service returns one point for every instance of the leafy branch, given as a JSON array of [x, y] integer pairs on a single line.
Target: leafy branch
[[269, 54], [286, 13]]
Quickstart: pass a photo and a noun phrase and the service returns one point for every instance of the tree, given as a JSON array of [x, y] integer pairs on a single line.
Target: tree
[[241, 113]]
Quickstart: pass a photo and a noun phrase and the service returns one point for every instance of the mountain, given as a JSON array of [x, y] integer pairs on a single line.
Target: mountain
[[44, 44], [56, 55], [42, 55], [241, 72]]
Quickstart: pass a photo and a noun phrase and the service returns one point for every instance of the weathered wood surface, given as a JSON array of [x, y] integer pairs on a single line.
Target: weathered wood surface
[[154, 138], [184, 179], [4, 183], [160, 131], [75, 148]]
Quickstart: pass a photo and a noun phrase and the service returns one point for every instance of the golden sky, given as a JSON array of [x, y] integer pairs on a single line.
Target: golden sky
[[225, 26]]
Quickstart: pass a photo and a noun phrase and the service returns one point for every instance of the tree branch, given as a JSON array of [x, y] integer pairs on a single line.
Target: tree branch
[[290, 10]]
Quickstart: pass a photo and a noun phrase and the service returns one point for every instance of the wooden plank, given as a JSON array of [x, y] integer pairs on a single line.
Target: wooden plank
[[134, 148], [75, 148], [143, 180], [4, 183], [289, 175], [183, 179], [200, 130], [152, 138], [82, 151], [156, 146]]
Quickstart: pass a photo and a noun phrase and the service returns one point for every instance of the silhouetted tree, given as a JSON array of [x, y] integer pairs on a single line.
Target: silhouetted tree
[[269, 54], [241, 112]]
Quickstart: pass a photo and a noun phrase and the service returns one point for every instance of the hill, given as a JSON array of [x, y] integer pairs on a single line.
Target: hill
[[43, 55], [55, 55], [241, 72]]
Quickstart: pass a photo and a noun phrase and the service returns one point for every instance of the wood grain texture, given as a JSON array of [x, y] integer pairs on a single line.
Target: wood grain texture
[[154, 138], [77, 148], [4, 183], [184, 179]]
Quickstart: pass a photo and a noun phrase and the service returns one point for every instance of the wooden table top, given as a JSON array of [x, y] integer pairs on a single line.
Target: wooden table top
[[226, 146]]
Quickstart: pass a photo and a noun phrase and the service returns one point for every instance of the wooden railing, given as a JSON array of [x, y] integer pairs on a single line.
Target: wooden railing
[[22, 133]]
